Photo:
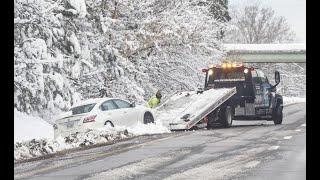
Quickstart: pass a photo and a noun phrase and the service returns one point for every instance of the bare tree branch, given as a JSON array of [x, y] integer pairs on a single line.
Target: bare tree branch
[[256, 25]]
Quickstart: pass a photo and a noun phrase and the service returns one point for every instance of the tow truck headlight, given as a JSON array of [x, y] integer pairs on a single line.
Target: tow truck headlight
[[210, 72], [229, 65], [224, 65], [246, 71]]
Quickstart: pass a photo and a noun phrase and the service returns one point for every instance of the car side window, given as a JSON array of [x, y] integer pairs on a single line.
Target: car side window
[[255, 78], [121, 104], [108, 105], [261, 76]]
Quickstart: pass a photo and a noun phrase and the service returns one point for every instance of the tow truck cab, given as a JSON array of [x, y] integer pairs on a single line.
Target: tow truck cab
[[256, 98]]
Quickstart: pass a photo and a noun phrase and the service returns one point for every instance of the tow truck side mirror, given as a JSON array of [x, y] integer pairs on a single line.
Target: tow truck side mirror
[[277, 77]]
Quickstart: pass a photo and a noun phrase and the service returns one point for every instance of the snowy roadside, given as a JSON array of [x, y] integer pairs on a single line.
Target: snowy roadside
[[34, 136], [40, 147], [292, 100]]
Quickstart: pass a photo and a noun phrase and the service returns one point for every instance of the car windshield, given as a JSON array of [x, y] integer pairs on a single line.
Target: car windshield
[[82, 109]]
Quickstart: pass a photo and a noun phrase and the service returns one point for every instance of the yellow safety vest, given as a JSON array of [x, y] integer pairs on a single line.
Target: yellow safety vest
[[153, 101]]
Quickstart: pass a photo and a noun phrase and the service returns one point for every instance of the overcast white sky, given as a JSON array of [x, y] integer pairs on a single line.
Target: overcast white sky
[[293, 10]]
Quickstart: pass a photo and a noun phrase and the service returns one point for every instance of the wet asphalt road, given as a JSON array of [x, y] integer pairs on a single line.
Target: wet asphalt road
[[247, 150]]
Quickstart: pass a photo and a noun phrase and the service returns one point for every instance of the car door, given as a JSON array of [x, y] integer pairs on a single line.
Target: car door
[[129, 114], [110, 111]]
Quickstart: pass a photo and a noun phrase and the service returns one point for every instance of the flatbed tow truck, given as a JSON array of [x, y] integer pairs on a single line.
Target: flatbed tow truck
[[231, 91]]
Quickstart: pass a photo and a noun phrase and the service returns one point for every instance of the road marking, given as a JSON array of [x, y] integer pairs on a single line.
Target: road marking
[[298, 130], [287, 137], [303, 124], [273, 148]]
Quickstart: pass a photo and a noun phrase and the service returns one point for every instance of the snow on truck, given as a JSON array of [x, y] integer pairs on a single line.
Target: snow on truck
[[231, 91]]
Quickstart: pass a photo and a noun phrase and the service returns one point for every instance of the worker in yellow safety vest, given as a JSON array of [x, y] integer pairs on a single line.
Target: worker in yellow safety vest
[[154, 100]]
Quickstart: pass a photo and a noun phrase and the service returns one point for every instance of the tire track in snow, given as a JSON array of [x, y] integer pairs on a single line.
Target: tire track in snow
[[141, 167], [56, 165], [222, 168]]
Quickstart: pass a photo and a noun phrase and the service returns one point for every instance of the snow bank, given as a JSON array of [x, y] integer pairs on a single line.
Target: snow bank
[[292, 100], [34, 136], [28, 127], [40, 147]]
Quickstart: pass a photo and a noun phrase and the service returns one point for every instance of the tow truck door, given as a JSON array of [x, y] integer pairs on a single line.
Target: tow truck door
[[262, 89]]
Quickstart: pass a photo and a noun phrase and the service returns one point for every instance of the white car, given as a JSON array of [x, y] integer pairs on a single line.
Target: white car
[[100, 112]]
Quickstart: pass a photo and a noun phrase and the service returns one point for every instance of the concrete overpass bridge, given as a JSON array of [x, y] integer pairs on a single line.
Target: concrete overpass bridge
[[267, 53]]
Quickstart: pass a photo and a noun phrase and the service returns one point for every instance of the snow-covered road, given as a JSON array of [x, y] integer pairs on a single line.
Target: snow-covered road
[[247, 150]]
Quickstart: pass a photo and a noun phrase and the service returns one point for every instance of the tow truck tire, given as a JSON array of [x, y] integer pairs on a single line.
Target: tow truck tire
[[226, 117], [211, 119], [277, 115]]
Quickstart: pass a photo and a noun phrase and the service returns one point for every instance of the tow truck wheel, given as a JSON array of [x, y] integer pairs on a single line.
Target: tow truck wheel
[[212, 119], [277, 115], [226, 117]]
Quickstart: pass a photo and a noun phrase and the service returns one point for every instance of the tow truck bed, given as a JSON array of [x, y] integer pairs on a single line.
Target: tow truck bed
[[185, 109]]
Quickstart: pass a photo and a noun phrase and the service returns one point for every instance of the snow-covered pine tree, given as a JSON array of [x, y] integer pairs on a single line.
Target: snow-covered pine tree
[[66, 50]]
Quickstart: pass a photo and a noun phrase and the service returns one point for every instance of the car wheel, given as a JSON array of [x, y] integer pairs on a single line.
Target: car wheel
[[226, 117], [108, 124], [277, 115], [148, 118]]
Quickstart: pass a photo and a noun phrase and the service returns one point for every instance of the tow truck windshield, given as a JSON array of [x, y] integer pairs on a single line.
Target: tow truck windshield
[[235, 74]]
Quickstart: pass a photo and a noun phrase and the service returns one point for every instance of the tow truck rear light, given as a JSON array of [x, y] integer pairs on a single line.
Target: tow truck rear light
[[89, 119]]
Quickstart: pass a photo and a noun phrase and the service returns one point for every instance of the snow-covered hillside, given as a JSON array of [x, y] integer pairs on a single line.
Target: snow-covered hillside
[[69, 50]]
